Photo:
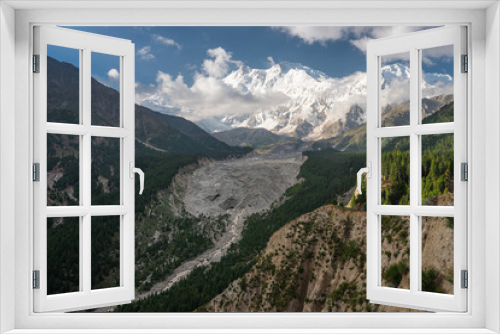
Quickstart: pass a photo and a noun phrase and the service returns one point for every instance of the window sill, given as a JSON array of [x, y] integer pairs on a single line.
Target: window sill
[[251, 331]]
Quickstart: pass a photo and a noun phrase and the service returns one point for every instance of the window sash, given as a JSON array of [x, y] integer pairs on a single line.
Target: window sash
[[413, 298], [86, 297]]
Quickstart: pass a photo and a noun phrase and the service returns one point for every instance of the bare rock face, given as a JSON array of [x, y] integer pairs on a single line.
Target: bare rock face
[[231, 189], [317, 263], [246, 186]]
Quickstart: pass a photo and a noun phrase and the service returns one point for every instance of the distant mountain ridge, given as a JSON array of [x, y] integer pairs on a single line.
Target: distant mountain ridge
[[158, 131], [434, 110], [257, 138]]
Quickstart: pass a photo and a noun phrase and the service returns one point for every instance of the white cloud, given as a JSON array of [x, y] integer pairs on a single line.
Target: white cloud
[[311, 35], [113, 74], [357, 36], [361, 43], [403, 57], [208, 96], [270, 61], [398, 91], [166, 41], [220, 63], [145, 53], [370, 33], [443, 53]]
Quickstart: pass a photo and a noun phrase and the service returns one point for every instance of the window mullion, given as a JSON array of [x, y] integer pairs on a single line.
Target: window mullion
[[86, 166], [81, 231], [414, 169]]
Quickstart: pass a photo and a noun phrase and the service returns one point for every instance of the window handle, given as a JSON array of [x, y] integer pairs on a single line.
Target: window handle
[[134, 170], [368, 171]]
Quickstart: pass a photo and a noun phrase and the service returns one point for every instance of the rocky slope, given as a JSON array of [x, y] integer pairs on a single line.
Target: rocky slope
[[317, 263]]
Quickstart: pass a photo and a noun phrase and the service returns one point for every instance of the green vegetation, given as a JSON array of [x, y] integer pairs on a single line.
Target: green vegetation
[[105, 252], [437, 166], [395, 173], [63, 251], [63, 154], [445, 114], [432, 281], [450, 222], [352, 296], [394, 274], [105, 186]]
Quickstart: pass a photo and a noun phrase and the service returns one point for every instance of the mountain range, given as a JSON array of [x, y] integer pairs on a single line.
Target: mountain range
[[316, 106], [256, 138], [154, 131], [399, 114]]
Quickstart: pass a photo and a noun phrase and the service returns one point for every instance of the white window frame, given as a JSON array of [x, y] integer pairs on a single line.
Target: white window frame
[[412, 44], [483, 102], [86, 44]]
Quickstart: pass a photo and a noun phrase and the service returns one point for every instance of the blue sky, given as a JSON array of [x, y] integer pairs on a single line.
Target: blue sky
[[175, 62], [251, 45], [336, 56]]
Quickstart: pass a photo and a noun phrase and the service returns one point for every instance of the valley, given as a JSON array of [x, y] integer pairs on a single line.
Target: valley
[[233, 188], [232, 221]]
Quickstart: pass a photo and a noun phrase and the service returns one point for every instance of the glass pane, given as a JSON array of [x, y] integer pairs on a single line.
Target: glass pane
[[105, 171], [437, 84], [395, 246], [395, 89], [63, 255], [437, 254], [63, 170], [437, 170], [105, 103], [395, 170], [105, 252], [63, 85]]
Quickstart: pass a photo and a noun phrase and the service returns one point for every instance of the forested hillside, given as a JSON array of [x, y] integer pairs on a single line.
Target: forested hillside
[[437, 164], [161, 150]]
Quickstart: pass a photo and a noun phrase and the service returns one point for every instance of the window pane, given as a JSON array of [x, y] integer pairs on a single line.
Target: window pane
[[105, 97], [105, 171], [437, 254], [105, 252], [63, 170], [437, 84], [437, 170], [395, 246], [63, 85], [63, 255], [395, 169], [395, 89]]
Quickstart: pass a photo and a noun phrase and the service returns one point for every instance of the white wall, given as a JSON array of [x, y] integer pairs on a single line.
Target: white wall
[[7, 164], [482, 184], [492, 147]]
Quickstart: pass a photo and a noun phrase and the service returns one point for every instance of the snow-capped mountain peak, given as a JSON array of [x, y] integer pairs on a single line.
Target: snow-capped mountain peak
[[317, 106], [293, 99]]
